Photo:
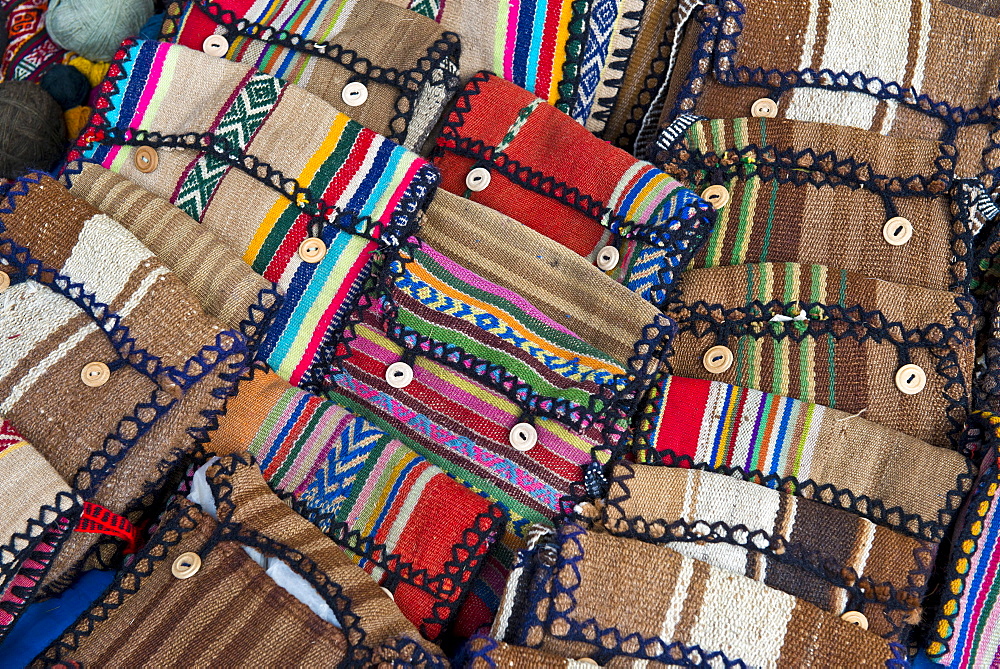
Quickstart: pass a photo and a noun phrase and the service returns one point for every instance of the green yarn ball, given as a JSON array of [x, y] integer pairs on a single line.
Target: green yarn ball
[[95, 28]]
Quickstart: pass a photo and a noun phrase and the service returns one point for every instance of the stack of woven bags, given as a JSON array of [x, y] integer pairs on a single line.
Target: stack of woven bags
[[549, 333]]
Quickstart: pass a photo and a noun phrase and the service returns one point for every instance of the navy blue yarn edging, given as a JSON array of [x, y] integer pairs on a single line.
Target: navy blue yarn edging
[[722, 26], [409, 82], [452, 141]]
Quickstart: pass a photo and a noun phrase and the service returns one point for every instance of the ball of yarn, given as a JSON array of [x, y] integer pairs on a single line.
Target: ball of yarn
[[67, 85], [95, 28], [76, 120], [32, 129]]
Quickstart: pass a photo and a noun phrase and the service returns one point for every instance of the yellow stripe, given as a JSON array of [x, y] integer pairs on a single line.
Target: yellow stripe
[[304, 177], [421, 273], [560, 56], [11, 449]]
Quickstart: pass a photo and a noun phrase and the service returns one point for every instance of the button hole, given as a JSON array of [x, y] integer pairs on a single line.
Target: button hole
[[899, 231], [912, 376]]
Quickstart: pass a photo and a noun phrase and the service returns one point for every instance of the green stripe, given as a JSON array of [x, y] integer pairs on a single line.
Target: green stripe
[[302, 439]]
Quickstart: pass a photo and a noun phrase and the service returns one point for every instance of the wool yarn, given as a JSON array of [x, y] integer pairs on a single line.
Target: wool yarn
[[95, 72], [67, 85], [95, 28], [32, 129], [76, 120]]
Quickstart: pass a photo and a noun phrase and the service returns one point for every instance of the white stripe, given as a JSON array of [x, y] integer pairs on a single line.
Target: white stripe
[[672, 616], [918, 69], [104, 258]]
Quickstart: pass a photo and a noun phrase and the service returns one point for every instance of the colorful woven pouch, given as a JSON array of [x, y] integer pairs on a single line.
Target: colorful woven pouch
[[414, 528], [26, 51], [505, 148], [484, 367], [809, 450], [386, 68], [197, 573], [886, 207], [921, 75], [964, 632], [88, 372], [902, 355], [670, 609], [536, 44], [39, 511], [831, 558], [226, 286]]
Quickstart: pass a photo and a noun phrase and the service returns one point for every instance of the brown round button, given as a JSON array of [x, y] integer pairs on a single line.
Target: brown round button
[[4, 281], [312, 250], [146, 159], [856, 618], [215, 45], [910, 379], [95, 374], [717, 196], [717, 359], [764, 108], [186, 565], [897, 230]]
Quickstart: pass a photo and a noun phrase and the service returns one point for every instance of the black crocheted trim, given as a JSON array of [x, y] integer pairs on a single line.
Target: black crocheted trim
[[449, 587], [968, 537], [873, 509], [721, 23], [896, 603], [559, 581], [452, 140], [42, 542], [259, 318], [569, 86], [410, 83]]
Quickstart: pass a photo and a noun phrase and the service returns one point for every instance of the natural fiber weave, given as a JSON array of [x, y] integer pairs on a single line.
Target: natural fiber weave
[[852, 336], [408, 66], [151, 618], [821, 194], [225, 285], [26, 51], [32, 129]]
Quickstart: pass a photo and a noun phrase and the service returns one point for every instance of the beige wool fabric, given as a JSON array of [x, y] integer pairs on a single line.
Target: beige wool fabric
[[407, 63], [599, 310], [665, 597], [108, 441], [224, 284], [230, 611], [844, 353], [829, 557], [947, 55]]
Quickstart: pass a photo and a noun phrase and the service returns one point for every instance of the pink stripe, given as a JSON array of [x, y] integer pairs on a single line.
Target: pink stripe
[[508, 55], [502, 419], [390, 208], [331, 311], [148, 91], [479, 282], [366, 492]]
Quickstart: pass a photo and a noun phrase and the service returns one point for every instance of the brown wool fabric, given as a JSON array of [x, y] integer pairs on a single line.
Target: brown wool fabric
[[945, 53], [486, 653], [230, 612], [224, 284], [863, 563], [855, 334], [367, 42], [599, 310], [816, 193], [113, 440], [661, 597]]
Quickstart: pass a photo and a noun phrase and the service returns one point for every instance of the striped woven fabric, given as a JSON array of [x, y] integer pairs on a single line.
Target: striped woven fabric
[[669, 608], [964, 633], [807, 449], [543, 167], [36, 500], [28, 51], [335, 614], [834, 338], [921, 75], [320, 170], [409, 68], [537, 44], [401, 518], [828, 557], [822, 194], [88, 372]]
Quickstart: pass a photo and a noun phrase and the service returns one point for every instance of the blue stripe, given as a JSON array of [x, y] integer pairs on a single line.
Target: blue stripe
[[275, 446]]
